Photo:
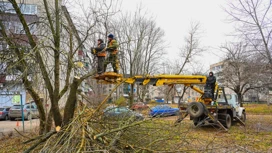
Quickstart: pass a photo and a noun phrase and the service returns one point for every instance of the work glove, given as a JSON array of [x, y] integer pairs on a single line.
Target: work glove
[[93, 51]]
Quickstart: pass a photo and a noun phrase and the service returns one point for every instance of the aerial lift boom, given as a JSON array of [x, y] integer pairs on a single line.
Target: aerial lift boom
[[157, 80]]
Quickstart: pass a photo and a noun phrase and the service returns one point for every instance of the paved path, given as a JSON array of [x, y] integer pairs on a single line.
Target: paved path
[[9, 126]]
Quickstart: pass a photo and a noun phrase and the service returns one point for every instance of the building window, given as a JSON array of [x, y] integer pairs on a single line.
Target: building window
[[25, 8], [6, 7], [6, 25], [19, 29], [214, 68]]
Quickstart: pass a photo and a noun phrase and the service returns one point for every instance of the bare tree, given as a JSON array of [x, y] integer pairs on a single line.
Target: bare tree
[[241, 72], [190, 50], [103, 13], [141, 45], [253, 20], [56, 54]]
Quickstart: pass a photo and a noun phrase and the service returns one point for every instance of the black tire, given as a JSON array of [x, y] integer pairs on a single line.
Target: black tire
[[226, 120], [243, 116], [195, 109], [6, 117], [12, 119]]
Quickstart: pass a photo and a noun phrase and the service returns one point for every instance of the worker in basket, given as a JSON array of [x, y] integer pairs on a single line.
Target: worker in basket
[[100, 52], [210, 85], [112, 49]]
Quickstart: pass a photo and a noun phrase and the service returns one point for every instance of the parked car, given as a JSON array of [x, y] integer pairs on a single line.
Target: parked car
[[163, 110], [139, 106], [159, 99], [4, 113], [29, 110], [114, 112]]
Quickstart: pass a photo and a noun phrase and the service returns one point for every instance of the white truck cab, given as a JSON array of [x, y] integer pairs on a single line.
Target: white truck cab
[[232, 99]]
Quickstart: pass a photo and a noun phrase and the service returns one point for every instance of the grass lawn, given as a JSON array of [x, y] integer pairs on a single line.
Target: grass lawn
[[258, 109]]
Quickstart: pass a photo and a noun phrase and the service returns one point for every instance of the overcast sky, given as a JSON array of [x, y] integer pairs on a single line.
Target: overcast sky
[[175, 16]]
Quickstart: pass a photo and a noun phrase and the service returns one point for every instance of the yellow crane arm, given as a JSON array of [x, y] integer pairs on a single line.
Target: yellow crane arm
[[197, 89], [159, 80]]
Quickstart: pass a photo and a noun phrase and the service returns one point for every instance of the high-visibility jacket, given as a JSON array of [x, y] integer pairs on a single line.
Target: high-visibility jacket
[[100, 50], [112, 46]]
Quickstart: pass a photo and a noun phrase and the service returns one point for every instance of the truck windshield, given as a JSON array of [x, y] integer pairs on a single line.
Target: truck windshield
[[222, 99]]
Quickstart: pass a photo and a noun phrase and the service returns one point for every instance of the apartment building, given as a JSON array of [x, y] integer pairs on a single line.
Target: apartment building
[[250, 96], [10, 87]]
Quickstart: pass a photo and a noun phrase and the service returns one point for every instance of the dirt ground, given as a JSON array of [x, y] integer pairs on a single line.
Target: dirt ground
[[255, 137]]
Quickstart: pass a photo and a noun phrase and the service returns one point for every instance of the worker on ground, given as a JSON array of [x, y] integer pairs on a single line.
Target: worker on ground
[[211, 79], [112, 49], [100, 52]]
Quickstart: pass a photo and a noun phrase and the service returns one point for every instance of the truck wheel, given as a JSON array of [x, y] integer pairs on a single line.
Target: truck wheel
[[243, 117], [195, 109], [226, 120]]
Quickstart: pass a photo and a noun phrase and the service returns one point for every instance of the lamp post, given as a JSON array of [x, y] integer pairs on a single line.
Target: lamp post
[[22, 110]]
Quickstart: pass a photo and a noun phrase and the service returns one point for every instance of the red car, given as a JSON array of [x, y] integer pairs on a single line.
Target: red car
[[139, 106]]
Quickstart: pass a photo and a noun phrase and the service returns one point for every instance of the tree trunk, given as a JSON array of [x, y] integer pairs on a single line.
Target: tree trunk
[[181, 97], [38, 101], [240, 98], [144, 89], [71, 102], [49, 121], [56, 113]]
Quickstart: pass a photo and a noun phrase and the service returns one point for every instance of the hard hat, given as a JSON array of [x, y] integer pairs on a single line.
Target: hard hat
[[110, 36]]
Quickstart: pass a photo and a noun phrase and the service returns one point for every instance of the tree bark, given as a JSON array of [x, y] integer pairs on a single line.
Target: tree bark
[[49, 122], [38, 102], [71, 102], [240, 98]]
